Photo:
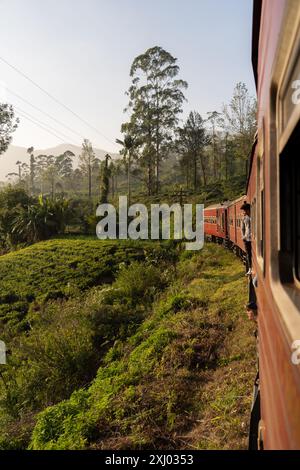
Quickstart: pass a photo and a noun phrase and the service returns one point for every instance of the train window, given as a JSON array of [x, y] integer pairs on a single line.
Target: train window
[[262, 238], [257, 224], [253, 218], [289, 168], [260, 209]]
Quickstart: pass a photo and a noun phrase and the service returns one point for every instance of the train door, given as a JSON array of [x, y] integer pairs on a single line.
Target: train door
[[227, 222], [235, 224], [218, 220], [223, 223]]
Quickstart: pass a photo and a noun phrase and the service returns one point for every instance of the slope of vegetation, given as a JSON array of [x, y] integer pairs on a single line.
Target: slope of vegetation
[[71, 318], [182, 378], [58, 269]]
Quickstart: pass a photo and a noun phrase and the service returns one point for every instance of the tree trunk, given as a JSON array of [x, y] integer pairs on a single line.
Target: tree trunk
[[157, 175], [32, 174], [203, 169], [128, 179], [90, 181], [195, 173], [187, 176], [226, 156], [149, 182], [113, 185], [214, 154]]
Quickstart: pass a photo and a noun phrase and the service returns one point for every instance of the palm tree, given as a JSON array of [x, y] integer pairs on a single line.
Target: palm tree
[[41, 220], [30, 224], [129, 144]]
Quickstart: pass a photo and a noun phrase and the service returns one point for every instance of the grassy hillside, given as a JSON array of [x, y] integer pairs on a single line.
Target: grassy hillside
[[174, 193], [124, 346], [182, 379], [77, 298], [59, 269]]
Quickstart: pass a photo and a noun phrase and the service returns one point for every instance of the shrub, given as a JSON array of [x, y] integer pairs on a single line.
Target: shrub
[[41, 220], [50, 362], [138, 280], [60, 268]]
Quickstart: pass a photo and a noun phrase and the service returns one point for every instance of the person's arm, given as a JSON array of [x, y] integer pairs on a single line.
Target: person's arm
[[243, 229], [247, 235]]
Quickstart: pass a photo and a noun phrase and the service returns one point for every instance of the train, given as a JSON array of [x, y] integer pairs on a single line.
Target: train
[[222, 224], [273, 191]]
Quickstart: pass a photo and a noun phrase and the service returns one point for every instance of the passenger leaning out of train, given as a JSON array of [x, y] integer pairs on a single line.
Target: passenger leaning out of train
[[251, 309], [246, 235]]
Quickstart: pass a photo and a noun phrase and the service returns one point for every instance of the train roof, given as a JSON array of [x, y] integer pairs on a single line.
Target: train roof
[[226, 203], [239, 199], [256, 18], [218, 206]]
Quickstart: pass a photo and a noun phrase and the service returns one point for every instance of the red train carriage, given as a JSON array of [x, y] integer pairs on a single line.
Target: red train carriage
[[274, 193], [234, 224], [215, 222]]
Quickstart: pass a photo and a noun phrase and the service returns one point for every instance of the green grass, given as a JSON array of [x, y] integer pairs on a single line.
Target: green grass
[[58, 269], [162, 358], [67, 338], [182, 380]]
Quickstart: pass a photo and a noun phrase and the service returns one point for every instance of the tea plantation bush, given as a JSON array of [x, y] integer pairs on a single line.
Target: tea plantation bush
[[189, 365], [69, 328], [57, 269]]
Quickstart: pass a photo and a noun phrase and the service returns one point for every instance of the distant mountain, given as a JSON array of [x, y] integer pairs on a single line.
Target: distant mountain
[[8, 159]]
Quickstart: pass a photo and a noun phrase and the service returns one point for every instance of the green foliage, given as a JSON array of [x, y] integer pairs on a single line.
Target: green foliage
[[87, 161], [12, 200], [155, 98], [41, 220], [67, 338], [239, 118], [138, 280], [11, 197], [8, 125], [150, 387], [104, 180], [25, 220], [50, 362], [56, 268], [191, 142]]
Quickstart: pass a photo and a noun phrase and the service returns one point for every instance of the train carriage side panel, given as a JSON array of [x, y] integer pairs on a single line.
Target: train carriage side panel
[[239, 216], [215, 221], [274, 247], [232, 229], [210, 221]]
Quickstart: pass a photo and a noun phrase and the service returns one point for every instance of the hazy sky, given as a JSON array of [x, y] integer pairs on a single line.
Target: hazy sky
[[81, 52]]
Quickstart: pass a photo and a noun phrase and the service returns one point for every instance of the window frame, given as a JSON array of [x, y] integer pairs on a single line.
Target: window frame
[[286, 295]]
